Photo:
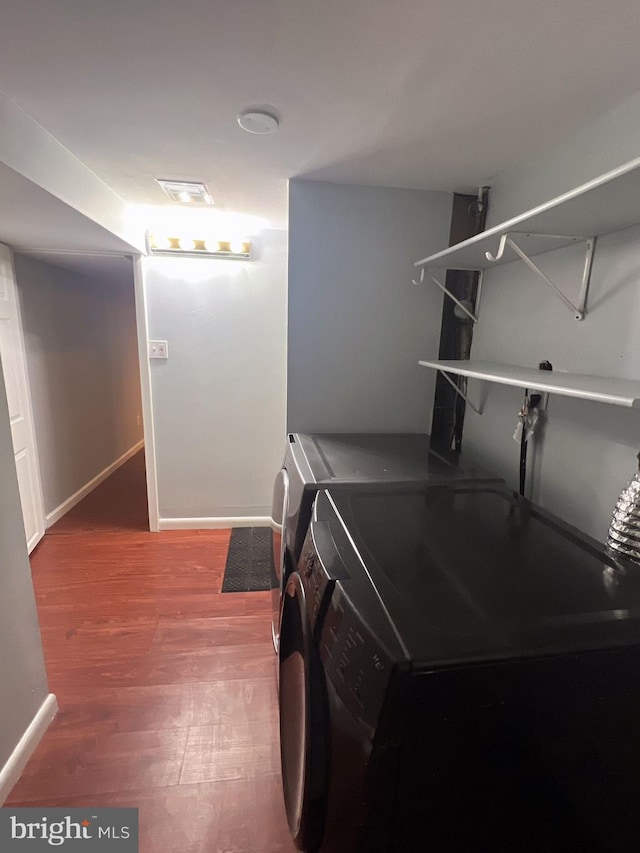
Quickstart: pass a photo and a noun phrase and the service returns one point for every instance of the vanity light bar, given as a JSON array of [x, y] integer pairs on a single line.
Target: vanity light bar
[[181, 245]]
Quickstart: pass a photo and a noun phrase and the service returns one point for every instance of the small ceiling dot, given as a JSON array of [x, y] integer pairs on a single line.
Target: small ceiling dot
[[257, 121]]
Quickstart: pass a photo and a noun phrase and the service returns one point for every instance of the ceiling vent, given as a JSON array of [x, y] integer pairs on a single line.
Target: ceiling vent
[[186, 192]]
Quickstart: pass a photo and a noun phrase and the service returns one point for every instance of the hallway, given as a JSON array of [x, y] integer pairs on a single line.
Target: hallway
[[166, 687]]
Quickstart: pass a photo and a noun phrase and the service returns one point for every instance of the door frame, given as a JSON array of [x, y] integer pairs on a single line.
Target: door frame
[[24, 371], [142, 325], [145, 393]]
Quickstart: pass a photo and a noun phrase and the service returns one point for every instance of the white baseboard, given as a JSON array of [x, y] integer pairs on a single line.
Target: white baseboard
[[65, 506], [15, 764], [216, 523]]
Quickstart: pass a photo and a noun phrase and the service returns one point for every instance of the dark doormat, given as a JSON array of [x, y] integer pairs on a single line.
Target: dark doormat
[[248, 567]]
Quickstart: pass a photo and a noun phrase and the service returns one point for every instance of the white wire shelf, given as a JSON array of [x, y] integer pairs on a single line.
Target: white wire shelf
[[601, 389], [606, 204]]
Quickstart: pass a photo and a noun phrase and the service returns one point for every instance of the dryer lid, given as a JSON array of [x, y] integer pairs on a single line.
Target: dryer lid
[[361, 458], [477, 573]]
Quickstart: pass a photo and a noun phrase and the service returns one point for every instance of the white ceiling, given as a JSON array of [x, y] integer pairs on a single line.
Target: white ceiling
[[436, 94], [31, 218]]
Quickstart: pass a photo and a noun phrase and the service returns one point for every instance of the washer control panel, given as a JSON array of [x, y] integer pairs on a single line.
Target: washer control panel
[[354, 659], [319, 567], [356, 640]]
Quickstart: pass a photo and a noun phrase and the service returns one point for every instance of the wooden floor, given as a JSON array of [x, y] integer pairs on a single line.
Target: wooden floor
[[166, 687]]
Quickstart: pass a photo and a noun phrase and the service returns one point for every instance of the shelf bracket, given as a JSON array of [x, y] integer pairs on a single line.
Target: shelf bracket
[[579, 311], [455, 299], [444, 288], [445, 375]]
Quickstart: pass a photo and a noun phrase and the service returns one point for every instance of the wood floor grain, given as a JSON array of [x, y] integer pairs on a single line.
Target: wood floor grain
[[167, 706], [229, 750], [230, 816], [166, 687]]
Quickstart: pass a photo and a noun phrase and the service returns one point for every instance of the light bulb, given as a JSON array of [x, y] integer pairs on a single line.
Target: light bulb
[[187, 243], [160, 241]]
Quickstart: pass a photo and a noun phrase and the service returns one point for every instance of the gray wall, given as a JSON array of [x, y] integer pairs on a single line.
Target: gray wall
[[219, 399], [357, 326], [23, 682], [588, 450], [602, 145], [82, 359]]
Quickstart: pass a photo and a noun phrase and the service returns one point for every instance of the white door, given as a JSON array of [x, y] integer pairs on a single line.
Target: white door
[[14, 367]]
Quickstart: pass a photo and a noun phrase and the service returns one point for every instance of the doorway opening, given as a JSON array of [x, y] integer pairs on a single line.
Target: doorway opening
[[117, 505], [72, 341]]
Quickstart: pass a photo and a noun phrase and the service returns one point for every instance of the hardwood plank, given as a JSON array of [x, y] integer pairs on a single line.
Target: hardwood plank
[[254, 660], [207, 632], [233, 816], [99, 639], [186, 604], [169, 706], [229, 662], [230, 750], [99, 763]]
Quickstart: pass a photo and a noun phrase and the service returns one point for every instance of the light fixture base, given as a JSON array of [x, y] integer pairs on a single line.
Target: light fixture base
[[199, 245]]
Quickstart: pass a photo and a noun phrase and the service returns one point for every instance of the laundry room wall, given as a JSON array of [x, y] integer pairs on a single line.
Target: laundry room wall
[[605, 143], [357, 325], [82, 360], [22, 674], [219, 398], [587, 451]]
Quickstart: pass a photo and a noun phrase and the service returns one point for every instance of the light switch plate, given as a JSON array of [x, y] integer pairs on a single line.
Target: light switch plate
[[158, 349]]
